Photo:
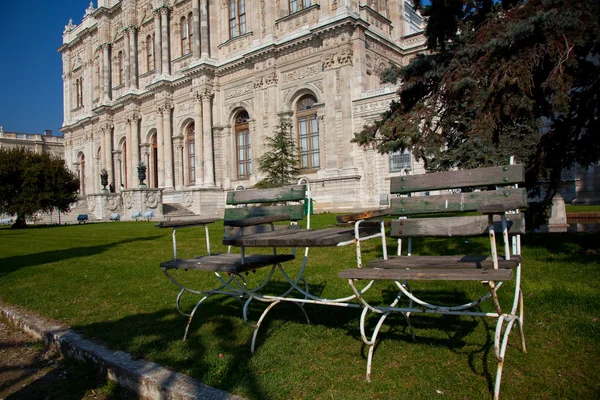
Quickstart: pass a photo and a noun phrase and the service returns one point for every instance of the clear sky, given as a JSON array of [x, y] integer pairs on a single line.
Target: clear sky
[[31, 97]]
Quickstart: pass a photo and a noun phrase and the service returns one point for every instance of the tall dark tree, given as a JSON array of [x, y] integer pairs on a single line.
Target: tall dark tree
[[280, 161], [31, 182], [516, 77]]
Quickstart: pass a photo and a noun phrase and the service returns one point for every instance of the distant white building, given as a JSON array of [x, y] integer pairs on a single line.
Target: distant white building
[[192, 87], [36, 142]]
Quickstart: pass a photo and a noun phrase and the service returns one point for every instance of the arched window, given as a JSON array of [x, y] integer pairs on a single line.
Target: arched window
[[191, 145], [150, 63], [297, 5], [121, 69], [242, 145], [237, 18], [308, 133], [185, 43]]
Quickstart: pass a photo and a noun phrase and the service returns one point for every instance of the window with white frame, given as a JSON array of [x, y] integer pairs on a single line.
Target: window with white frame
[[298, 5], [399, 160], [308, 133], [191, 145], [237, 18], [242, 145]]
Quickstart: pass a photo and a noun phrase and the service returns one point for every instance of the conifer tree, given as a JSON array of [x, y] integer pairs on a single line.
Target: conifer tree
[[280, 161], [501, 78]]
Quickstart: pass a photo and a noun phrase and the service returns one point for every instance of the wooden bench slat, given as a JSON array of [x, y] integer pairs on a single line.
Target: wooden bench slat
[[454, 226], [294, 211], [256, 220], [429, 274], [299, 238], [227, 262], [439, 262], [274, 195], [511, 198], [188, 222], [501, 175]]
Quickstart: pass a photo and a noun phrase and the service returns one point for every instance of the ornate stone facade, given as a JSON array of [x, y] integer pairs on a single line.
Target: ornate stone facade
[[191, 92]]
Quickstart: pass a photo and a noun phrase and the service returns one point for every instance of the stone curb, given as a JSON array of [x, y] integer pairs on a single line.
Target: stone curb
[[147, 379]]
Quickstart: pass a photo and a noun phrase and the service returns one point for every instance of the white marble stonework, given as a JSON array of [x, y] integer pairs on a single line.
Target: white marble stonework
[[180, 87]]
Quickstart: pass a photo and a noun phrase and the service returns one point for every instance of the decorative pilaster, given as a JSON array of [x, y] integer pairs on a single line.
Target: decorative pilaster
[[209, 173], [127, 59], [164, 18], [168, 145], [107, 162], [133, 127], [106, 71], [160, 144], [196, 28], [133, 70], [198, 129], [157, 43], [204, 29]]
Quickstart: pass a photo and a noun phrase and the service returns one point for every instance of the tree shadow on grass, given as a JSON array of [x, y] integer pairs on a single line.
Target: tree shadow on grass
[[14, 263]]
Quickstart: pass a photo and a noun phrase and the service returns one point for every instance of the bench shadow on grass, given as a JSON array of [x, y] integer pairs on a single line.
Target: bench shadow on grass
[[14, 263]]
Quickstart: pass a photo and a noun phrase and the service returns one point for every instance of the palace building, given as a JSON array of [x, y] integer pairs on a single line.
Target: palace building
[[190, 88]]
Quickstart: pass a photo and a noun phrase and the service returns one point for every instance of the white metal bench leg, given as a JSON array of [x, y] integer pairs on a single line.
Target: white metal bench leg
[[187, 326]]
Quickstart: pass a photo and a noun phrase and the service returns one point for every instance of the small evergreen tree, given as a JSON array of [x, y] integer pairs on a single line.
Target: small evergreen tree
[[280, 161]]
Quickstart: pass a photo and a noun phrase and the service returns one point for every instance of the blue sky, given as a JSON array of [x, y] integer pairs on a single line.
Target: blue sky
[[31, 97]]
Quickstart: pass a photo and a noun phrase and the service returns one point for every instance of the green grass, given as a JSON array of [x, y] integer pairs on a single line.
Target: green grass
[[578, 209], [103, 280]]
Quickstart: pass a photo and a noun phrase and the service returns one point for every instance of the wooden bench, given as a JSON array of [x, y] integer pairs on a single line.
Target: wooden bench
[[251, 212], [482, 202]]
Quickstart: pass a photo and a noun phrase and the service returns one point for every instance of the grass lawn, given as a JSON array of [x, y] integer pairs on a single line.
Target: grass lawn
[[104, 281]]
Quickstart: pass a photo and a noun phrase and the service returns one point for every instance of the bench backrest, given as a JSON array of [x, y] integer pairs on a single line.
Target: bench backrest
[[474, 195], [264, 206]]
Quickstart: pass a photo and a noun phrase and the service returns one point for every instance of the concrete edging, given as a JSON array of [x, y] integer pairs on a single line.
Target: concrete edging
[[147, 379]]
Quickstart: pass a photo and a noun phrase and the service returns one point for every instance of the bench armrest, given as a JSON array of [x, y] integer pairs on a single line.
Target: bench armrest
[[190, 222], [363, 215], [256, 220]]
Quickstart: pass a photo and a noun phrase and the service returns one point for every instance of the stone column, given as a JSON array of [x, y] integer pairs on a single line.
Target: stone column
[[157, 43], [168, 143], [196, 28], [164, 14], [209, 173], [101, 80], [107, 145], [133, 70], [198, 129], [160, 147], [128, 159], [118, 170], [135, 148], [205, 51], [127, 59], [106, 71], [179, 157]]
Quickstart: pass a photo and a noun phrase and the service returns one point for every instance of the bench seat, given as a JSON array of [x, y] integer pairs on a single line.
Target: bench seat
[[231, 263], [437, 274], [444, 262]]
